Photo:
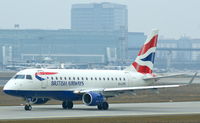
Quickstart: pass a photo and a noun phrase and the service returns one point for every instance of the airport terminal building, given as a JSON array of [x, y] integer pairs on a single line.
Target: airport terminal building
[[98, 35]]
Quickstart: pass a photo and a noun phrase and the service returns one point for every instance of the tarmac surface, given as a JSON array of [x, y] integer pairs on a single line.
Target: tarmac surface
[[123, 109]]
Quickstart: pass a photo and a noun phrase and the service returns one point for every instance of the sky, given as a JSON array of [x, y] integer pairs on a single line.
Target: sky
[[174, 18]]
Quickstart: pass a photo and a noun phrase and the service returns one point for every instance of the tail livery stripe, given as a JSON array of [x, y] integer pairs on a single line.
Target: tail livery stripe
[[142, 69], [150, 44], [150, 57]]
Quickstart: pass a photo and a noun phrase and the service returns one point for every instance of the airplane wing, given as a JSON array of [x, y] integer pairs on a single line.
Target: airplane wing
[[167, 76], [126, 89]]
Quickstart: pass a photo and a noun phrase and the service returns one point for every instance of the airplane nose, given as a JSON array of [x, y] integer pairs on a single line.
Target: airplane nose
[[9, 88], [5, 88]]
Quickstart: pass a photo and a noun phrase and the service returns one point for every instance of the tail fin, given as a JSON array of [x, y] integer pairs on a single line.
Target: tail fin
[[145, 59]]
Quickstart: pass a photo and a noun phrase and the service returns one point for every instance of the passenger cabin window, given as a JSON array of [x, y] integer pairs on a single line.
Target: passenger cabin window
[[112, 78], [29, 77], [60, 78], [82, 78], [52, 78], [19, 77], [65, 78]]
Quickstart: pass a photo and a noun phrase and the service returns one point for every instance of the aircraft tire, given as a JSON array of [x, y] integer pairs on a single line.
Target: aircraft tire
[[67, 104], [105, 106], [99, 106], [70, 105], [28, 107]]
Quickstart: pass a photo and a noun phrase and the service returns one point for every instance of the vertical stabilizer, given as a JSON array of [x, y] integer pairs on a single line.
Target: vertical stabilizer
[[145, 60]]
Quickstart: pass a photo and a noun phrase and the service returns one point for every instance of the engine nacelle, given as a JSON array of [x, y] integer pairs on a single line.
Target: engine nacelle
[[93, 98], [39, 100]]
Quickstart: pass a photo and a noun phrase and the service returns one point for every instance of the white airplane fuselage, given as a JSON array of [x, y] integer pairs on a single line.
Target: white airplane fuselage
[[61, 83]]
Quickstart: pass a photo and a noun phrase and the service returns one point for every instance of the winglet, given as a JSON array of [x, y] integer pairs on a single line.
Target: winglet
[[192, 79]]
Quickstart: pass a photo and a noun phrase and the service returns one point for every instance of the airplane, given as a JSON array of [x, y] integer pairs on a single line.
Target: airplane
[[93, 87]]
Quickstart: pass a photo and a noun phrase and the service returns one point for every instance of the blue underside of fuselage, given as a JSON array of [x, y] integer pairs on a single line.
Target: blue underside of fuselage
[[58, 95]]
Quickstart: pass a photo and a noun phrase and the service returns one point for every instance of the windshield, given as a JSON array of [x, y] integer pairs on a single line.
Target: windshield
[[29, 77], [19, 77]]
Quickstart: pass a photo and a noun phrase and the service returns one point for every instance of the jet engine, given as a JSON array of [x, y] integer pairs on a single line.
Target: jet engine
[[93, 98]]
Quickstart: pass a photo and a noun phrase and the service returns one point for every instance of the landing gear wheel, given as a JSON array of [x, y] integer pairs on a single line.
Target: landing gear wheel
[[99, 107], [103, 106], [67, 104], [28, 107]]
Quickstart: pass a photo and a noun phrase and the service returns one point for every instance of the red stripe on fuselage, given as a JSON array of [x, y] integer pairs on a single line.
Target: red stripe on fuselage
[[46, 73], [142, 69], [150, 44]]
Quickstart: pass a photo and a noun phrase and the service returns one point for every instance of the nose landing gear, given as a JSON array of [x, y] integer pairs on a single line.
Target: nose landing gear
[[28, 106]]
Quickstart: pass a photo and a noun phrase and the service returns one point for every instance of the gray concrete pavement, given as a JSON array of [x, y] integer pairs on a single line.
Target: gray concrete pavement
[[125, 109]]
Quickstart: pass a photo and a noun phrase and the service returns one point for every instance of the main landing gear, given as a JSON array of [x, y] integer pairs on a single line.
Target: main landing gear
[[103, 106], [67, 104]]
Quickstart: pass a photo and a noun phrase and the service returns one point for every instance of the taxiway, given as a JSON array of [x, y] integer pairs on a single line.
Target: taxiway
[[125, 109]]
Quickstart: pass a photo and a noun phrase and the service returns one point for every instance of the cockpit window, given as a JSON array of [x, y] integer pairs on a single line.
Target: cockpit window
[[29, 77], [19, 77]]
